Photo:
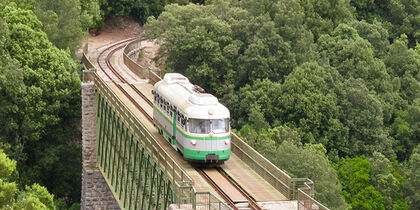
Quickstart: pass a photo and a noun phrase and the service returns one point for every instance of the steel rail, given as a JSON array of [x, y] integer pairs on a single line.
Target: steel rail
[[108, 58], [217, 188], [122, 79], [252, 203]]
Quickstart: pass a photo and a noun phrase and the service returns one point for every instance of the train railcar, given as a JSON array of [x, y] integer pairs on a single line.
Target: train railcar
[[194, 122]]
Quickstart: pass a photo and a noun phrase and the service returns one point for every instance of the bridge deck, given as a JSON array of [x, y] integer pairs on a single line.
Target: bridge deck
[[250, 181]]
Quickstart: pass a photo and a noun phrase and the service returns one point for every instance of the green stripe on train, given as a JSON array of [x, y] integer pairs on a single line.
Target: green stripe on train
[[201, 155], [188, 136]]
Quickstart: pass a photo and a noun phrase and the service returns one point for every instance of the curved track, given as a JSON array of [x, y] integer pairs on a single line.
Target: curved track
[[109, 51], [104, 58]]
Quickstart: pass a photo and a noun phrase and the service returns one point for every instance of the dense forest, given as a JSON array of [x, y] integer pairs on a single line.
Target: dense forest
[[40, 137], [326, 89]]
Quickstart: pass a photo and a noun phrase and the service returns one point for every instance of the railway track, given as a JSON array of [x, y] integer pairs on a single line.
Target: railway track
[[224, 185], [112, 49], [227, 188]]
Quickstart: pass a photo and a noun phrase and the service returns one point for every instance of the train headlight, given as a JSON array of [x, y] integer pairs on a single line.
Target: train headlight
[[193, 142], [227, 141]]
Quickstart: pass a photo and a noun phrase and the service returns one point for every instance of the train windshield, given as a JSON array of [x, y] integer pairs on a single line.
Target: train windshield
[[220, 125], [199, 126], [202, 126]]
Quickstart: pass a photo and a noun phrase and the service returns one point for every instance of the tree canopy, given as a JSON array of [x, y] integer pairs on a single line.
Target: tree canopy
[[32, 197], [40, 106], [301, 73]]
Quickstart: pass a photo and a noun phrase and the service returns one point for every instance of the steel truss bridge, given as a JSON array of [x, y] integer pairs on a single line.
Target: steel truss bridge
[[143, 171]]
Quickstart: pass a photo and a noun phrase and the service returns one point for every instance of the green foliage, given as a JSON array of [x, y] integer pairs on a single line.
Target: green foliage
[[40, 101], [281, 145], [221, 43], [139, 10], [412, 179], [375, 33], [324, 15], [404, 63], [309, 71], [387, 181], [34, 197], [91, 14], [354, 175], [61, 21], [308, 102], [311, 161], [258, 98], [7, 193], [289, 17], [400, 16], [363, 119], [7, 166], [353, 56]]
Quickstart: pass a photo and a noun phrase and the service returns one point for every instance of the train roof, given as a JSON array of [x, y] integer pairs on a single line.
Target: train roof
[[191, 99]]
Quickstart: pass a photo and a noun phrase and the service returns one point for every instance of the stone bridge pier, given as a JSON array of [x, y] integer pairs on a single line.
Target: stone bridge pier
[[95, 191]]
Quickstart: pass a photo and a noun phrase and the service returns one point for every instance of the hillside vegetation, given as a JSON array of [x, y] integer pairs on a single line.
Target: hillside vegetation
[[40, 110], [328, 90], [325, 89]]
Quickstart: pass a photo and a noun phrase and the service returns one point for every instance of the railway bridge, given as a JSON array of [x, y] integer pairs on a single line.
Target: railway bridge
[[127, 164]]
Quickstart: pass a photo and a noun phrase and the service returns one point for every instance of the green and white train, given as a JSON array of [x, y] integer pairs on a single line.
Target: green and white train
[[194, 122]]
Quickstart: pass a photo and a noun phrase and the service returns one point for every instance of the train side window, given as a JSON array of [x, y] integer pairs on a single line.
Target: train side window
[[183, 123]]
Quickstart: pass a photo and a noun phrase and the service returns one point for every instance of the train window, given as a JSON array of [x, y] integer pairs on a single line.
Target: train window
[[220, 125], [199, 126]]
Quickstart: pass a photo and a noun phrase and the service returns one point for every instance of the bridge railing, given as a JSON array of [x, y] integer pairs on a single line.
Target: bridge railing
[[184, 192], [171, 169], [306, 200], [130, 52], [271, 173], [89, 67]]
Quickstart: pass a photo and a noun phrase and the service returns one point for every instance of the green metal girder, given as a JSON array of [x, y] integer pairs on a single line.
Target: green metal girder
[[134, 178]]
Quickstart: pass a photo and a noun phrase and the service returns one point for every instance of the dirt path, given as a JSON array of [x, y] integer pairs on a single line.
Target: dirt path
[[115, 29]]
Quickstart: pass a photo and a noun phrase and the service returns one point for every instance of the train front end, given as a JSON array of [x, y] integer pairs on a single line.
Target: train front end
[[207, 139]]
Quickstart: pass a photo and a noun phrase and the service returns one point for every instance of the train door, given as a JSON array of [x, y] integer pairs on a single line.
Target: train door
[[173, 140], [211, 142]]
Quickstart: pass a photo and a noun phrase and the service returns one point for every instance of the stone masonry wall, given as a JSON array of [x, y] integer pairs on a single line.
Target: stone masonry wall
[[95, 191]]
